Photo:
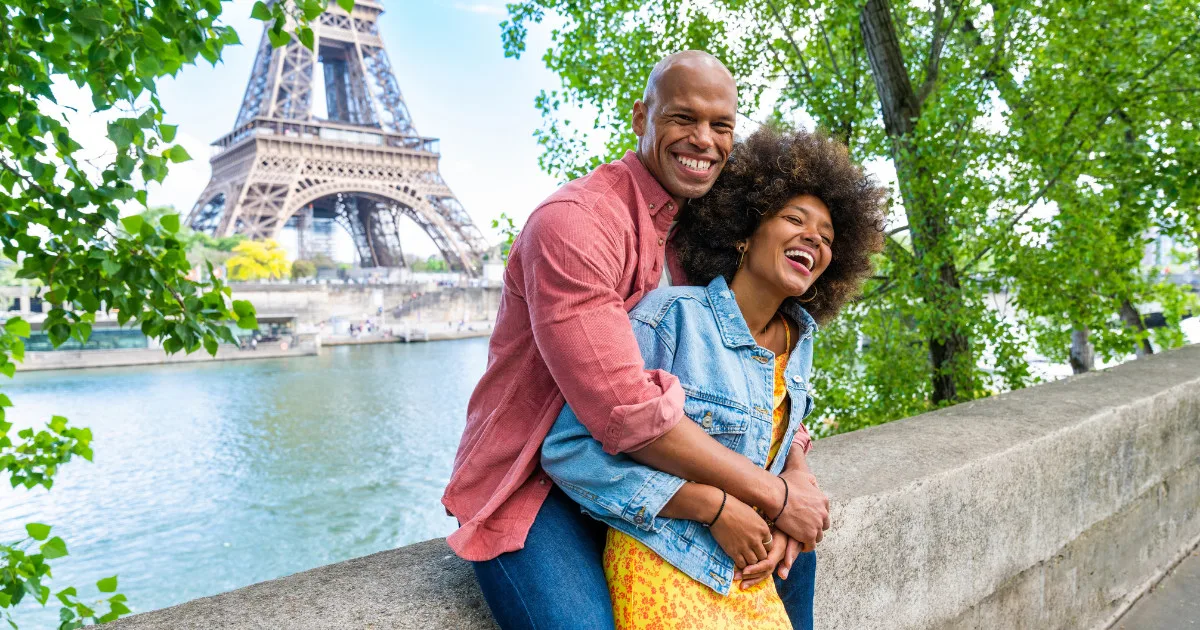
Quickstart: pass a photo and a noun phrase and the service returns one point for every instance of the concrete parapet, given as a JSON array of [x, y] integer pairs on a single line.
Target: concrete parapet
[[1050, 507]]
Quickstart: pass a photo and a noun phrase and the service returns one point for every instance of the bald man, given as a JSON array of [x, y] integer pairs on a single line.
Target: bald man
[[586, 256]]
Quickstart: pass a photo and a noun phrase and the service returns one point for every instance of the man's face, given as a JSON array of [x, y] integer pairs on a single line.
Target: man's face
[[685, 133]]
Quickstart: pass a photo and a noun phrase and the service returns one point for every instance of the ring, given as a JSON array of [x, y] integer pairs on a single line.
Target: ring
[[767, 542]]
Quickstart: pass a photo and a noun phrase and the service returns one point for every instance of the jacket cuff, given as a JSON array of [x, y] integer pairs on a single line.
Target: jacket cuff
[[632, 427], [651, 498]]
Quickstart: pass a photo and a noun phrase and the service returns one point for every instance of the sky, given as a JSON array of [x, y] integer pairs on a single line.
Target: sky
[[458, 86]]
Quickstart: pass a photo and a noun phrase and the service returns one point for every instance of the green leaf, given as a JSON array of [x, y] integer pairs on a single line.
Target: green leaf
[[305, 34], [18, 327], [37, 531], [120, 135], [347, 5], [260, 11], [170, 222], [249, 322], [107, 585], [279, 38], [167, 132], [242, 308], [177, 154], [210, 346], [132, 224], [54, 548], [313, 9]]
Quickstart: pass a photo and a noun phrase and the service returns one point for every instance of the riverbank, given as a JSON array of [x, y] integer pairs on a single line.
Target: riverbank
[[80, 359], [415, 336]]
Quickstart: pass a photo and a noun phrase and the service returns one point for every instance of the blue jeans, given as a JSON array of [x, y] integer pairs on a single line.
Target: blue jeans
[[557, 580]]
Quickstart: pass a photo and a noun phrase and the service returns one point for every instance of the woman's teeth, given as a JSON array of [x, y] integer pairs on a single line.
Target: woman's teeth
[[800, 256], [699, 165]]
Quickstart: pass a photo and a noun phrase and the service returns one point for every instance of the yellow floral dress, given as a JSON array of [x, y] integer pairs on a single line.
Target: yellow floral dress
[[649, 593]]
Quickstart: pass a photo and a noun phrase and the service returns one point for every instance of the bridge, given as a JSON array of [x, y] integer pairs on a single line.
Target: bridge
[[1057, 506]]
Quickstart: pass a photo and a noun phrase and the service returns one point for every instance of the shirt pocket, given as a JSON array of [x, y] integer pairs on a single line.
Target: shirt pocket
[[726, 424]]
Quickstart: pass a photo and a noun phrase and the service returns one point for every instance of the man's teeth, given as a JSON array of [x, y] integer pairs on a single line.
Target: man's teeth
[[699, 165], [800, 255]]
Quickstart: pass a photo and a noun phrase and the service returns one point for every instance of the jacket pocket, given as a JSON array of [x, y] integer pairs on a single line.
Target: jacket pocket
[[726, 424]]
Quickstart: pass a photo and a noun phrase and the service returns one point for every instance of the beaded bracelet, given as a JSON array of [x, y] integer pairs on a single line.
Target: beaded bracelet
[[724, 495]]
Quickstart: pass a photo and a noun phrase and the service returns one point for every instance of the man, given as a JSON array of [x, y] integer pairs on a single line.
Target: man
[[586, 256]]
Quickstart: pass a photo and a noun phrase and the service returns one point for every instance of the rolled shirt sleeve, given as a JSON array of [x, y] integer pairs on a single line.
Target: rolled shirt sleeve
[[573, 262]]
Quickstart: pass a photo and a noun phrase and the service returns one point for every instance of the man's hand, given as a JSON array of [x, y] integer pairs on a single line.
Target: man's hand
[[806, 515]]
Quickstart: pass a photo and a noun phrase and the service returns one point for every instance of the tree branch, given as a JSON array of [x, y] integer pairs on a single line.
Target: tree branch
[[795, 47]]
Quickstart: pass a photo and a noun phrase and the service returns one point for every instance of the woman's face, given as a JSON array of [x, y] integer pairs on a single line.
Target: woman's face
[[791, 249]]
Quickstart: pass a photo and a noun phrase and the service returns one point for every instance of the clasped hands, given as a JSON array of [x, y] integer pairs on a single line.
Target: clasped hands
[[758, 549]]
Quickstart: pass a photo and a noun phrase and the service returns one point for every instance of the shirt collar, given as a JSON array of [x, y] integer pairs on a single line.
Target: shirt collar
[[655, 196], [734, 330]]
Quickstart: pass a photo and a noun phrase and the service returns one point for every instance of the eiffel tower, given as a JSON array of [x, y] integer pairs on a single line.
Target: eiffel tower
[[363, 166]]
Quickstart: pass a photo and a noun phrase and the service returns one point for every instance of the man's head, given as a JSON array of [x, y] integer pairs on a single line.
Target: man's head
[[684, 122]]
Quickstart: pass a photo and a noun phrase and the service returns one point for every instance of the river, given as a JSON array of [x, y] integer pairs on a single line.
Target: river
[[214, 476]]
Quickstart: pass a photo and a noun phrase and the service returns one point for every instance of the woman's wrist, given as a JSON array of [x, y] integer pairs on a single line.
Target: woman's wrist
[[694, 502]]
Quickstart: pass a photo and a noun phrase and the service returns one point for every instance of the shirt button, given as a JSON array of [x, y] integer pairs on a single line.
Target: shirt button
[[797, 379], [542, 482], [660, 241], [651, 206], [730, 316]]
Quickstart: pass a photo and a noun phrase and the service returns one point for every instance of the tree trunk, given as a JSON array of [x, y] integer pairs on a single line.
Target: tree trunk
[[1133, 321], [1083, 357], [936, 271]]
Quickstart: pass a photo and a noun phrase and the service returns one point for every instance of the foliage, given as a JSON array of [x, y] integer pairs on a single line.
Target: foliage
[[433, 264], [509, 229], [303, 269], [1032, 159], [63, 223], [258, 260]]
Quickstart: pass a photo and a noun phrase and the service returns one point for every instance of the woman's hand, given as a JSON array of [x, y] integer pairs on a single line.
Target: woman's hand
[[776, 554], [741, 532]]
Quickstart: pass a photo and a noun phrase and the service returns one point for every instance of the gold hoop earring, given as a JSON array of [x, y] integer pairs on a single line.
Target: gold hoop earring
[[742, 258], [801, 298]]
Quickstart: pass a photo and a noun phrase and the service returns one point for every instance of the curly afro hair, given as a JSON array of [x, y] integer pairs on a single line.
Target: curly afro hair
[[766, 170]]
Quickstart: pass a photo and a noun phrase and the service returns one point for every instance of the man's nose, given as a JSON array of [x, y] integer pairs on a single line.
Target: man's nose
[[702, 136]]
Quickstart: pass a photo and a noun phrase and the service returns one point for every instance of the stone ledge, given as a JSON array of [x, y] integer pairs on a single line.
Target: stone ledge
[[1050, 507]]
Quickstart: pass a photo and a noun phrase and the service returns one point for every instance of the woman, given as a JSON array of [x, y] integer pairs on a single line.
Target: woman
[[781, 242]]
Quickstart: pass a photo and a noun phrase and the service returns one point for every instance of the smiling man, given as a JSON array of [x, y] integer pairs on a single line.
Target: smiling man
[[586, 256]]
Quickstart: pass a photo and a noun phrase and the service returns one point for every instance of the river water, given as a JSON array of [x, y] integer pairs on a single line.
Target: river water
[[214, 476]]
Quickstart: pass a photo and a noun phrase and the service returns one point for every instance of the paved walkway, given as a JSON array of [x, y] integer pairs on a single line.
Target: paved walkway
[[1173, 604]]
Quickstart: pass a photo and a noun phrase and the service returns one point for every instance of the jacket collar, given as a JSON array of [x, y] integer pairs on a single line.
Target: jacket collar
[[652, 192], [734, 330]]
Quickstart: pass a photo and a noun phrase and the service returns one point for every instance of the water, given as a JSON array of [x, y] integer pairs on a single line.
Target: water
[[215, 476]]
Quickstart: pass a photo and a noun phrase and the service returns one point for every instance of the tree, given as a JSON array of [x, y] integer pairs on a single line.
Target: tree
[[63, 224], [258, 260], [303, 269], [984, 157]]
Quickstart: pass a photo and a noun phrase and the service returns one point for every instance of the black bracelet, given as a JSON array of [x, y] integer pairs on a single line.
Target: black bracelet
[[785, 498], [724, 495]]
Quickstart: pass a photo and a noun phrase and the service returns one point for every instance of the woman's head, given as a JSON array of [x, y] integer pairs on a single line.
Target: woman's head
[[803, 213]]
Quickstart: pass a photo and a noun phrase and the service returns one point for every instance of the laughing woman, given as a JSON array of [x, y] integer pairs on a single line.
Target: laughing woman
[[780, 244]]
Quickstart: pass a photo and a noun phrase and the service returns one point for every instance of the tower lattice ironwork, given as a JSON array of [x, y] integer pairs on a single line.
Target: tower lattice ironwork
[[363, 165]]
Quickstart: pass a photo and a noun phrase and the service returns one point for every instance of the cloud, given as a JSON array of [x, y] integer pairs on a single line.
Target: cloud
[[479, 7]]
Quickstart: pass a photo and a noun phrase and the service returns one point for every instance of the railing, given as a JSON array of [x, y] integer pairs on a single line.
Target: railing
[[325, 130]]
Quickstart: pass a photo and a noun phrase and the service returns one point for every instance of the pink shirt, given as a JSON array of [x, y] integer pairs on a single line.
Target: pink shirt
[[586, 256]]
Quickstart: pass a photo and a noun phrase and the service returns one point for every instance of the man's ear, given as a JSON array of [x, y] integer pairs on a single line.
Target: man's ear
[[639, 118]]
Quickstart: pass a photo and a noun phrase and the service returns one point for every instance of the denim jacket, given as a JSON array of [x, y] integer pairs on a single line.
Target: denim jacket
[[699, 335]]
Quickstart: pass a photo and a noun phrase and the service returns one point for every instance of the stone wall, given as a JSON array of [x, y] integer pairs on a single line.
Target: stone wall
[[1051, 507], [316, 303]]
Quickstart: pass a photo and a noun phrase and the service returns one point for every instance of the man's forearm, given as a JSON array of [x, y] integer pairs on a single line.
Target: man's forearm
[[686, 451]]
